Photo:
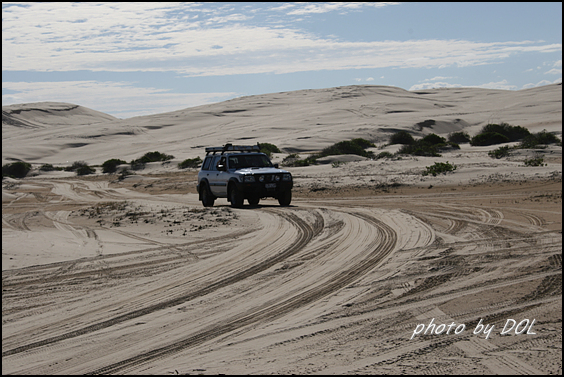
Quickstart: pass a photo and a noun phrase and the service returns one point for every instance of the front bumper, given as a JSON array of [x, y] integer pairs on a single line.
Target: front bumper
[[264, 190]]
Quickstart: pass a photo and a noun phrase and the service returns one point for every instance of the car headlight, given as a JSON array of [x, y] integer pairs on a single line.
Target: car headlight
[[276, 178], [249, 178], [287, 177]]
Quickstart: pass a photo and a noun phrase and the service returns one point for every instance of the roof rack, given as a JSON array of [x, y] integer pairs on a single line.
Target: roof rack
[[233, 148]]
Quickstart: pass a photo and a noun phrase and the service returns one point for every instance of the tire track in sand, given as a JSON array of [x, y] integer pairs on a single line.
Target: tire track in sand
[[305, 234], [382, 245]]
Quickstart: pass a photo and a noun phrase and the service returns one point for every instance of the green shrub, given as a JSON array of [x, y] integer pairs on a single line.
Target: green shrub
[[430, 146], [420, 149], [384, 155], [535, 161], [154, 157], [540, 138], [500, 152], [76, 165], [110, 166], [139, 163], [513, 133], [402, 137], [190, 163], [488, 138], [85, 170], [355, 146], [17, 169], [458, 137], [439, 168], [433, 139], [269, 149], [48, 167], [293, 160]]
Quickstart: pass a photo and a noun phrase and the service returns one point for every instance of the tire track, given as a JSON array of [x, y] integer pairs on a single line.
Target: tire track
[[382, 246], [305, 235]]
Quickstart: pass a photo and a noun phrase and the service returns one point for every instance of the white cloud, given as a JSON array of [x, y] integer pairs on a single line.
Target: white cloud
[[120, 99], [438, 78], [541, 83], [434, 85], [370, 79], [308, 8], [554, 71], [496, 85], [186, 39]]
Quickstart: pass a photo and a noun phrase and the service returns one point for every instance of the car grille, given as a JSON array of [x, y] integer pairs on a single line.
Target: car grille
[[267, 178]]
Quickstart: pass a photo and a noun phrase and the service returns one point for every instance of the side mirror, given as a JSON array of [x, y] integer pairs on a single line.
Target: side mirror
[[276, 166], [221, 167]]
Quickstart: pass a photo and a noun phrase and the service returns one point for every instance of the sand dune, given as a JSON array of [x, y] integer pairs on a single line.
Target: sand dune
[[135, 276], [299, 121]]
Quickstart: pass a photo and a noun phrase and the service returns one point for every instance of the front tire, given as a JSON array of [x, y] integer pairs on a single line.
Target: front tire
[[285, 198], [253, 202], [235, 197]]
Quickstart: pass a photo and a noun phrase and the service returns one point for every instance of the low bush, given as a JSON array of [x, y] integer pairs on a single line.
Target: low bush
[[402, 137], [293, 160], [110, 166], [75, 166], [429, 146], [85, 170], [17, 169], [488, 138], [458, 137], [139, 163], [492, 134], [513, 133], [48, 167], [354, 146], [540, 138], [433, 139], [439, 168], [269, 149], [384, 155], [190, 163], [500, 152], [154, 157], [535, 161]]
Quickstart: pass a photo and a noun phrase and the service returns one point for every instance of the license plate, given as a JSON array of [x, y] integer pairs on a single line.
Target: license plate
[[270, 185]]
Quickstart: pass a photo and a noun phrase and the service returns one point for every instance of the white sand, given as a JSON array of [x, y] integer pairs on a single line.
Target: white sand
[[135, 276]]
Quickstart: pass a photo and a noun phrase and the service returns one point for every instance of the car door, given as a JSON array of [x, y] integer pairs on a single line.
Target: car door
[[221, 177], [212, 176]]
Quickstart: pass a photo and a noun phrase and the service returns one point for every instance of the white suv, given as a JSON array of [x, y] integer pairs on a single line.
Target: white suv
[[239, 172]]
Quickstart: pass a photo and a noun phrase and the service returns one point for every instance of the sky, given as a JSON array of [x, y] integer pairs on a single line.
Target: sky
[[133, 59]]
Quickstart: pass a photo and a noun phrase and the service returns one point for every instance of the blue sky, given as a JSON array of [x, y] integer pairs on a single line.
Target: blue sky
[[131, 59]]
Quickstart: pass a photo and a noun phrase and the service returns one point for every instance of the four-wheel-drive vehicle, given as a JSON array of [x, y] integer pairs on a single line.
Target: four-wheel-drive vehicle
[[239, 172]]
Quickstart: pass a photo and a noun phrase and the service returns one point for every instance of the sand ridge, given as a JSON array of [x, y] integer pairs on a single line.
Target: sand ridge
[[135, 276]]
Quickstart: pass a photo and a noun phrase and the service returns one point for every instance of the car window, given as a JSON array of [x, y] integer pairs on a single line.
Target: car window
[[249, 161], [213, 165], [206, 165]]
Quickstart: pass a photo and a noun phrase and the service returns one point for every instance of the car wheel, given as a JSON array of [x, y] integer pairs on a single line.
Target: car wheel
[[285, 198], [235, 197], [207, 197]]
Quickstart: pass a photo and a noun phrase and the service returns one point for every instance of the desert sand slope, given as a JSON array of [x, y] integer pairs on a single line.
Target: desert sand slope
[[298, 121], [102, 275], [49, 114]]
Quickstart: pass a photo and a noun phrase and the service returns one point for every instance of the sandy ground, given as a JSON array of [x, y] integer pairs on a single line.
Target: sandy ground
[[373, 269]]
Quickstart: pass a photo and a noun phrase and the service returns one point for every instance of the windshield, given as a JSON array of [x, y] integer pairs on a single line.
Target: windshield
[[249, 161]]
